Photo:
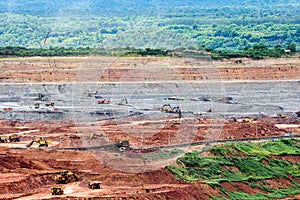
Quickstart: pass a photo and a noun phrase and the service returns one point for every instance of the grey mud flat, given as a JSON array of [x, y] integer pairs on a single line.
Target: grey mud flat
[[72, 102]]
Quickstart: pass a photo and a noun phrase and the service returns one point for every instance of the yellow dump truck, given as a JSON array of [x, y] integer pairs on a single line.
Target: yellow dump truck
[[57, 190], [94, 184], [66, 177]]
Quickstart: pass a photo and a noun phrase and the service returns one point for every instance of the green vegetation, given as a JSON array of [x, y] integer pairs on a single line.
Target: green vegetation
[[255, 53], [252, 164], [219, 25]]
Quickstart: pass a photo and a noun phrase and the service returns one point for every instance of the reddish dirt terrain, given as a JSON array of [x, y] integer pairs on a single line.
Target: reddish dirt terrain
[[29, 174], [69, 69]]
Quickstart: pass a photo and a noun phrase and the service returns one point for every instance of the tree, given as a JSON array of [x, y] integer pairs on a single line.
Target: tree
[[292, 47]]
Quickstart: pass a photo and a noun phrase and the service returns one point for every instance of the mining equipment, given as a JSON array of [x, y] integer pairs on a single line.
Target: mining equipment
[[6, 139], [281, 115], [94, 184], [66, 177], [103, 101], [46, 103], [174, 98], [41, 97], [41, 141], [49, 103], [169, 109], [123, 102], [57, 190], [123, 145]]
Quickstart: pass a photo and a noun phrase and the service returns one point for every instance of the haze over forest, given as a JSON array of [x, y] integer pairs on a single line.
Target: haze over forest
[[167, 24]]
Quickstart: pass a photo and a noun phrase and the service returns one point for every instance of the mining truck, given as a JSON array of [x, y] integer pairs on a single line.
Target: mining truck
[[57, 191], [5, 139], [66, 177], [94, 184], [103, 101]]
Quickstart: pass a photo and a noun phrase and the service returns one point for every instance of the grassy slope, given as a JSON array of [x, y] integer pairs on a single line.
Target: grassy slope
[[252, 164]]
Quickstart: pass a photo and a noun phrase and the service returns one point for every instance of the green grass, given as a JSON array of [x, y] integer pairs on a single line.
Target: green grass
[[245, 162]]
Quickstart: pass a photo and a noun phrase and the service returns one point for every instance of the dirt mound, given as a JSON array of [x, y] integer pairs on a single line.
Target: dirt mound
[[9, 162], [29, 183]]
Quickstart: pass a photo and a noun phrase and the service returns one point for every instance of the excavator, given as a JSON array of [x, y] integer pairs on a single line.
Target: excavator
[[41, 141], [66, 177], [169, 109]]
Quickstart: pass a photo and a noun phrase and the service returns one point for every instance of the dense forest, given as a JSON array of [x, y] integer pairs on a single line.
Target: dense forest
[[229, 25]]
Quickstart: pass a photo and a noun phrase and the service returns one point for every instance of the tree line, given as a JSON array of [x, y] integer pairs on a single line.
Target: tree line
[[257, 52]]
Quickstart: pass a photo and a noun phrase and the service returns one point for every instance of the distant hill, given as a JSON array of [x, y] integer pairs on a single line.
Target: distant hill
[[99, 7], [216, 24]]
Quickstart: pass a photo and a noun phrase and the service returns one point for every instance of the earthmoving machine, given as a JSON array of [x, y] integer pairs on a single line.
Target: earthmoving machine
[[174, 98], [281, 115], [41, 97], [49, 103], [103, 101], [169, 109], [94, 184], [66, 177], [123, 145], [123, 102], [6, 139], [41, 141], [46, 103], [58, 190]]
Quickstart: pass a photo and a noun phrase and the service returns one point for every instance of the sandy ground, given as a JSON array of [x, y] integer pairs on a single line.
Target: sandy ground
[[70, 69]]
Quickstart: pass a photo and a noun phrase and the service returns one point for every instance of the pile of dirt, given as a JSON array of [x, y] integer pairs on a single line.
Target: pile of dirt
[[248, 129]]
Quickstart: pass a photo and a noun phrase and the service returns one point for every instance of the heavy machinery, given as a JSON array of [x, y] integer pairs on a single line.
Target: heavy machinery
[[57, 190], [41, 141], [123, 145], [6, 139], [174, 98], [103, 101], [94, 184], [281, 115], [169, 109], [41, 97], [66, 177], [123, 102], [49, 103]]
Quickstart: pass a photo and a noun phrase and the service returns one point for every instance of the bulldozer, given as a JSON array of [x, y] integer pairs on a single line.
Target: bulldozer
[[169, 109], [66, 177], [94, 184], [41, 141], [6, 139], [57, 190]]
